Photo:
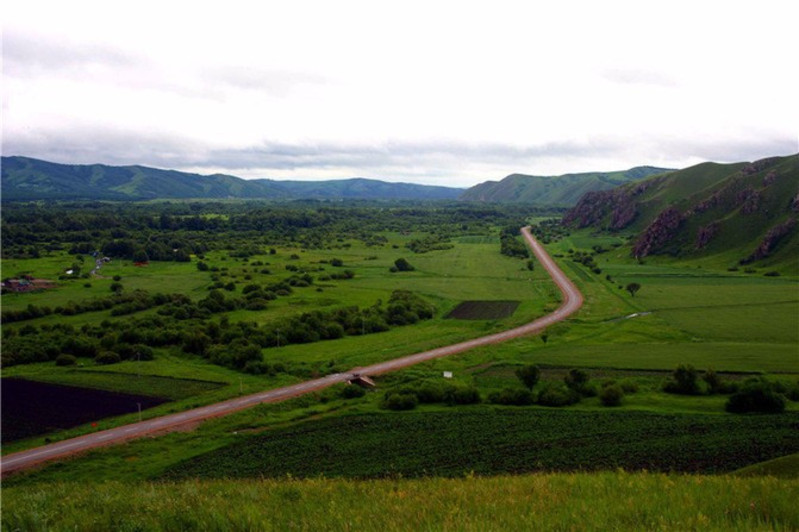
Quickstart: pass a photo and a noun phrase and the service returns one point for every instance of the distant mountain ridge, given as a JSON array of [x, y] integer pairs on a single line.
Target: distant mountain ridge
[[745, 210], [554, 190], [24, 178]]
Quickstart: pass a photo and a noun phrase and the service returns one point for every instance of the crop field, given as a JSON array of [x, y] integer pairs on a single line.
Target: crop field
[[31, 408], [495, 441], [483, 310]]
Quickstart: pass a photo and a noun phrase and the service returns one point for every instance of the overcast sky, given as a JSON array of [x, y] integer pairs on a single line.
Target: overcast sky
[[449, 93]]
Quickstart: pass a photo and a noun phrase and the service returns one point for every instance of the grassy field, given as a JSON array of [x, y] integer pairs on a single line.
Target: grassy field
[[580, 501]]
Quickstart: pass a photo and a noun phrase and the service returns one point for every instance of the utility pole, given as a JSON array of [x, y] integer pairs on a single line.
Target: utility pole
[[139, 405]]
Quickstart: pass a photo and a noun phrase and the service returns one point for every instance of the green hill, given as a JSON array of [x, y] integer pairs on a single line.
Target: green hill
[[743, 211], [553, 190], [24, 178]]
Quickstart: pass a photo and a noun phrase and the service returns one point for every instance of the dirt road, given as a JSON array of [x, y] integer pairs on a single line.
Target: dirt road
[[572, 301]]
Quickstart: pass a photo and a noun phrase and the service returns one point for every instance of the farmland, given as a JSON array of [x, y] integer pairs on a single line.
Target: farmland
[[489, 441], [741, 325]]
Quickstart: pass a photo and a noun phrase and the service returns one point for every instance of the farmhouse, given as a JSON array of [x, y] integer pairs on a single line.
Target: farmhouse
[[26, 284]]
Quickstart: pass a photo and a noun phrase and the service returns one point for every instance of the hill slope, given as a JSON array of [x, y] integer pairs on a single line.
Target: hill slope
[[24, 178], [553, 190], [745, 210]]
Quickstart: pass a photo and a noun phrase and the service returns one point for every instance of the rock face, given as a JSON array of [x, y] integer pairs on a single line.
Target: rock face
[[659, 233], [705, 235], [617, 204], [770, 241], [749, 200]]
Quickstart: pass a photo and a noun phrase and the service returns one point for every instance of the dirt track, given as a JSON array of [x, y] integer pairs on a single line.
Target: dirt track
[[572, 301]]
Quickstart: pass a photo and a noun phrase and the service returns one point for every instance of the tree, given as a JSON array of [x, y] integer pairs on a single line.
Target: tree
[[633, 288], [403, 265], [528, 375]]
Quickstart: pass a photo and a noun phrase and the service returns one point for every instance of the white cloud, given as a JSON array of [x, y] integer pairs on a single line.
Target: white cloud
[[456, 92]]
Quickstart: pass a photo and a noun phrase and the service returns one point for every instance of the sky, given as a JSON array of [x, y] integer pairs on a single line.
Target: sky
[[433, 92]]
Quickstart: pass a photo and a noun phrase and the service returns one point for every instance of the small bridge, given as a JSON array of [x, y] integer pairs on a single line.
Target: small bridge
[[362, 381]]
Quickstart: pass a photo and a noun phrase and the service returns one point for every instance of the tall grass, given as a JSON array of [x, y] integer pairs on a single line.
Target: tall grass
[[605, 501]]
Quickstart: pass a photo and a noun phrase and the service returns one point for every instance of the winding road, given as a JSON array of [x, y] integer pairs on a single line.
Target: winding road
[[572, 301]]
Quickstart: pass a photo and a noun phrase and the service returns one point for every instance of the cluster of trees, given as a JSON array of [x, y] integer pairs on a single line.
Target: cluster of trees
[[174, 231], [586, 259], [64, 344], [550, 230], [429, 243], [576, 384], [755, 394], [120, 303], [408, 397], [510, 245]]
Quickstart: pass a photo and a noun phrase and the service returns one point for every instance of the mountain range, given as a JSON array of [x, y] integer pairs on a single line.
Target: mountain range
[[745, 212], [24, 178], [563, 190]]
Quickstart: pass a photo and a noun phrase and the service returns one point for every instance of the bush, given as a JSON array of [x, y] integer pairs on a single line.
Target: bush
[[611, 395], [556, 394], [402, 265], [352, 391], [577, 380], [461, 395], [400, 401], [756, 397], [629, 386], [430, 393], [685, 381], [65, 360], [107, 357], [512, 396], [528, 375]]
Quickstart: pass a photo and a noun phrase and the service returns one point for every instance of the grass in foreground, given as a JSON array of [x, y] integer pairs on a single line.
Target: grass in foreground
[[605, 501]]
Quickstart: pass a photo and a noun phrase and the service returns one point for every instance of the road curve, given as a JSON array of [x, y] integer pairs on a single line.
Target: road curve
[[572, 301]]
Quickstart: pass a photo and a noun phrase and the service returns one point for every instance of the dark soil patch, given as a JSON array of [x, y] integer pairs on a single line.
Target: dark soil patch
[[484, 310], [31, 408]]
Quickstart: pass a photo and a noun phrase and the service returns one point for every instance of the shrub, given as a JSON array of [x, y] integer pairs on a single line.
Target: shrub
[[577, 380], [685, 381], [629, 386], [107, 357], [402, 265], [512, 396], [430, 393], [611, 395], [65, 360], [352, 391], [756, 397], [555, 394], [460, 395], [400, 401], [528, 375]]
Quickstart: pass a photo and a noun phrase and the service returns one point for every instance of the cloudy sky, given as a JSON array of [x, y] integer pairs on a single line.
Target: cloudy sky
[[449, 93]]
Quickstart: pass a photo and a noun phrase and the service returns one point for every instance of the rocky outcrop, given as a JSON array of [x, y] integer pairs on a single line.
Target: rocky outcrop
[[749, 200], [659, 233], [770, 178], [617, 205], [705, 235], [771, 240], [759, 166]]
